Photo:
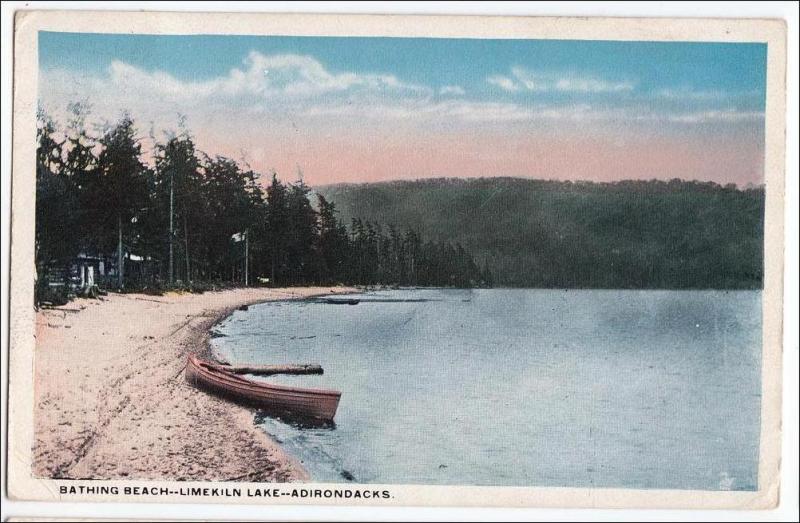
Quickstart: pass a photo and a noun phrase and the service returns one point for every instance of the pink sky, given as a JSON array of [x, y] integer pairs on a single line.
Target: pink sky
[[371, 157], [289, 112]]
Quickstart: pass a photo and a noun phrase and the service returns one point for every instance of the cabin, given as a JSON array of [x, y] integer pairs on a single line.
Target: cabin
[[89, 271], [78, 275], [86, 273]]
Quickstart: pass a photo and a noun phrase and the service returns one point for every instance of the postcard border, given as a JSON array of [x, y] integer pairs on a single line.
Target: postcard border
[[21, 484]]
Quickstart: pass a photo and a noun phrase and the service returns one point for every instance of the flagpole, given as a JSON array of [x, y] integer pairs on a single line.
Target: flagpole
[[246, 257]]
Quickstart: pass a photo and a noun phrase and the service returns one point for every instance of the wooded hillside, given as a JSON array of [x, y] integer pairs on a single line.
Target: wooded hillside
[[535, 233]]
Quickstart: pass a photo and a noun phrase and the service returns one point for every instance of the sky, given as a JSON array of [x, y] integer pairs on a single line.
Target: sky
[[346, 109]]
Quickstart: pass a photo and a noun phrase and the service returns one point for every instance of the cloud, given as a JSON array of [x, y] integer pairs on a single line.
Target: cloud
[[713, 116], [262, 83], [263, 91], [262, 76], [450, 111], [592, 85], [525, 79], [297, 96], [503, 82], [687, 93], [452, 90], [286, 109], [468, 111], [528, 80]]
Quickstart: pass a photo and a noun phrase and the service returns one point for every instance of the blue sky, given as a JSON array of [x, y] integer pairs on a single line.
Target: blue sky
[[471, 86], [734, 68]]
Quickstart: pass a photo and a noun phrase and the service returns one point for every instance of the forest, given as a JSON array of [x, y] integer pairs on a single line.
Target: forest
[[192, 220], [653, 234], [187, 219]]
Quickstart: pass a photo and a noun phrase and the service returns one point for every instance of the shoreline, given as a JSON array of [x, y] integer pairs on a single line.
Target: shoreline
[[111, 401], [207, 350]]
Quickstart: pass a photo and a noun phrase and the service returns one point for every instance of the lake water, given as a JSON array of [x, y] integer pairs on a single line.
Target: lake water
[[631, 389]]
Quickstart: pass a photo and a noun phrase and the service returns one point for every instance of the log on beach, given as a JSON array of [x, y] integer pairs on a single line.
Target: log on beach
[[268, 370]]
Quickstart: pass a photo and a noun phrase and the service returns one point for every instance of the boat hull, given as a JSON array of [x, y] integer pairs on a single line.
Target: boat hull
[[315, 404]]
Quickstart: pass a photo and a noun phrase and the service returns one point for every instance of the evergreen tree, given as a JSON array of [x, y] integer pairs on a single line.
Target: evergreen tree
[[301, 254], [56, 204], [230, 195], [333, 243], [99, 197], [277, 227], [119, 192], [178, 177], [79, 165]]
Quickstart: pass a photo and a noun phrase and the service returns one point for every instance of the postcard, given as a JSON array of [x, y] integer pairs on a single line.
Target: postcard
[[396, 260]]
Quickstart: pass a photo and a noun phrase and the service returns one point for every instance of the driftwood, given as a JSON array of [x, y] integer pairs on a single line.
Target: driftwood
[[268, 370]]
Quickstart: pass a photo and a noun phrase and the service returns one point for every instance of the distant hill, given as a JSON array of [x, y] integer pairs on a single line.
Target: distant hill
[[536, 233]]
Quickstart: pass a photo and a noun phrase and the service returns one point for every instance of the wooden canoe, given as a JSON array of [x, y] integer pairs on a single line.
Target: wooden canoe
[[316, 404]]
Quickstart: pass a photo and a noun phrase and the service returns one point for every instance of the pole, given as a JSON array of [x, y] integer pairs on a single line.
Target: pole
[[246, 257], [186, 246], [120, 259], [171, 231]]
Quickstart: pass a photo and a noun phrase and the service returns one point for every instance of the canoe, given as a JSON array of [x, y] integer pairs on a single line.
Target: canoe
[[315, 404], [342, 301]]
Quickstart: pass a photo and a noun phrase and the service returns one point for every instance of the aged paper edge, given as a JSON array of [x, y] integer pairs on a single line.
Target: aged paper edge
[[23, 486]]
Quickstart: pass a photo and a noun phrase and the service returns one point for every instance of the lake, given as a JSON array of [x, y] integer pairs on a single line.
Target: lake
[[524, 387]]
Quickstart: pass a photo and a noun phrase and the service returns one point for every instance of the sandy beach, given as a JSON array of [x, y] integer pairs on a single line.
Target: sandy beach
[[111, 401]]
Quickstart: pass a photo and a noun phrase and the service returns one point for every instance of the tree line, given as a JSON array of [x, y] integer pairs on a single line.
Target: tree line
[[191, 217], [631, 234]]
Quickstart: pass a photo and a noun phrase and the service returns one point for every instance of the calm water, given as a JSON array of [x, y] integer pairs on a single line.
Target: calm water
[[638, 389]]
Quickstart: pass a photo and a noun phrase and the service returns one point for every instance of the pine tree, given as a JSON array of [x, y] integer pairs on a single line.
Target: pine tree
[[333, 243], [277, 225], [301, 237], [177, 191], [119, 192], [56, 203]]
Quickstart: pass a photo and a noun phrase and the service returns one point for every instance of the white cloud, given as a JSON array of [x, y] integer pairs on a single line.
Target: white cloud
[[466, 111], [284, 93], [689, 94], [447, 111], [686, 93], [503, 82], [528, 80], [457, 110], [265, 91], [452, 90], [591, 85], [262, 75], [712, 116]]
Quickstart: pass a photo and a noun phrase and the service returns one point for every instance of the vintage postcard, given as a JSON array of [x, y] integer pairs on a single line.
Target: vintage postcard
[[397, 260]]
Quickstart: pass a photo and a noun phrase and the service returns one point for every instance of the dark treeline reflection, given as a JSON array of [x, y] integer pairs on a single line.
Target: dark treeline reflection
[[99, 199]]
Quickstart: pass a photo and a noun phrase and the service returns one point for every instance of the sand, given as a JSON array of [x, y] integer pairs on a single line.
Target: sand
[[111, 400]]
